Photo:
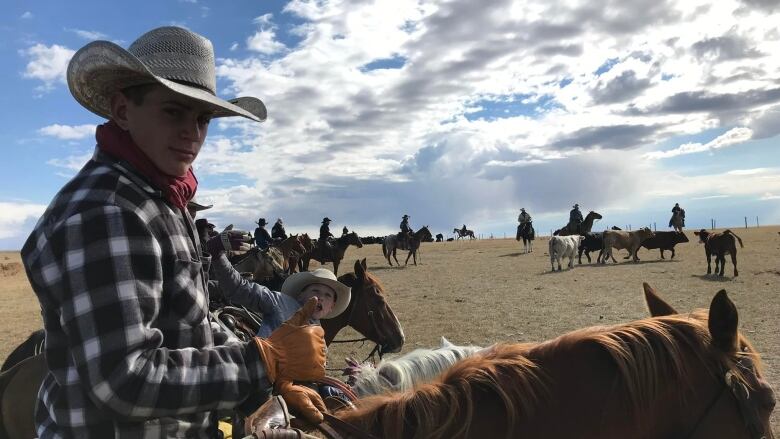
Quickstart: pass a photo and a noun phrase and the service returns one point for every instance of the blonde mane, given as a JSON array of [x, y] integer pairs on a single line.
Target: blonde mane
[[650, 355]]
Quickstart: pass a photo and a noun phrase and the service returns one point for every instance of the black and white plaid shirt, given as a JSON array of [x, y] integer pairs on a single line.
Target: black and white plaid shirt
[[119, 276]]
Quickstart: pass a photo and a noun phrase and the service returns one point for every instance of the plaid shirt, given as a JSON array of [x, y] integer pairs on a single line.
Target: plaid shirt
[[119, 276]]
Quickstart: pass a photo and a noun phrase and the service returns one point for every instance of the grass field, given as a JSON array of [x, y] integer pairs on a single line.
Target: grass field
[[485, 291]]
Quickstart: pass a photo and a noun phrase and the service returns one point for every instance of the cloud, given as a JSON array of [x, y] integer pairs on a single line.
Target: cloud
[[608, 137], [27, 15], [88, 34], [14, 215], [733, 136], [726, 48], [767, 123], [624, 87], [68, 132], [264, 40], [47, 64], [72, 163]]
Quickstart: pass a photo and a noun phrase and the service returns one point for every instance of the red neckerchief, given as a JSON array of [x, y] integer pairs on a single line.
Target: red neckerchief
[[117, 142]]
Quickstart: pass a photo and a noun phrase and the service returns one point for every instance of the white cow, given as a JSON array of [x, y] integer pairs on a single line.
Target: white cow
[[564, 247]]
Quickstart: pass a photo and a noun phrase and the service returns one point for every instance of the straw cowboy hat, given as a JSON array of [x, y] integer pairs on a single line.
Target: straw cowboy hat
[[261, 222], [173, 57], [298, 281]]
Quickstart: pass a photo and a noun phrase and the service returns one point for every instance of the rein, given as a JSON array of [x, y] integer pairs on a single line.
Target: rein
[[364, 339]]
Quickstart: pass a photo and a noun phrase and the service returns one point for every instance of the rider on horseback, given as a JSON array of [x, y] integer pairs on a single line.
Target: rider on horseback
[[524, 217], [277, 231], [575, 219], [406, 230], [262, 238], [463, 230], [323, 242], [677, 210]]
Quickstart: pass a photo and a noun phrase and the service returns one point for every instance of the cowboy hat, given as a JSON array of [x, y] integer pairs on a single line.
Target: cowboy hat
[[576, 206], [279, 220], [523, 209], [193, 205], [261, 222], [295, 284], [203, 222], [405, 216], [326, 220], [176, 58]]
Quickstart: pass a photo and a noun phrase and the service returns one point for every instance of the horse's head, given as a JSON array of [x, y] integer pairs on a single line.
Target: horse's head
[[367, 312], [424, 234], [298, 245], [354, 239], [593, 215], [736, 400], [306, 242]]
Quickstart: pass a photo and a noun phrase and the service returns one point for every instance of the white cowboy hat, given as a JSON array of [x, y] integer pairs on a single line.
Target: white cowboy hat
[[173, 57], [298, 281]]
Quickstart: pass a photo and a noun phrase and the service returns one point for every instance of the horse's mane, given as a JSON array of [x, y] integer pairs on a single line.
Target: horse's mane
[[432, 409], [650, 356], [417, 366]]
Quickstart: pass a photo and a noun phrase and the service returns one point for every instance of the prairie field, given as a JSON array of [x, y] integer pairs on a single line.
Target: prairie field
[[485, 291]]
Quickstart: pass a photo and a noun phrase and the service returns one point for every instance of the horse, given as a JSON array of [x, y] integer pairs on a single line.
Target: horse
[[689, 375], [584, 228], [391, 243], [335, 255], [290, 247], [368, 313], [295, 259], [403, 373], [263, 264], [18, 395], [462, 234], [528, 234]]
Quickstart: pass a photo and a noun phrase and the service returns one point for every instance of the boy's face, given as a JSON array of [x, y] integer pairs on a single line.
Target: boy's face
[[169, 128], [326, 299]]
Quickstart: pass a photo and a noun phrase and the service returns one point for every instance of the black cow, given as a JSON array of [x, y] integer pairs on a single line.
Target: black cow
[[591, 243], [665, 241], [439, 237]]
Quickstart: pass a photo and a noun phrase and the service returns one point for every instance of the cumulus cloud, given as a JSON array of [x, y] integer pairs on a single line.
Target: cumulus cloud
[[14, 215], [68, 132], [47, 64], [71, 164], [732, 137]]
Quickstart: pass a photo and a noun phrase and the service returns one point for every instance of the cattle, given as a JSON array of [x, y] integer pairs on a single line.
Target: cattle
[[664, 241], [563, 247], [718, 245], [590, 243], [624, 240], [439, 237]]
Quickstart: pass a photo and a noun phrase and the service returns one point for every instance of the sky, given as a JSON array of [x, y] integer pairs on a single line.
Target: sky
[[453, 112]]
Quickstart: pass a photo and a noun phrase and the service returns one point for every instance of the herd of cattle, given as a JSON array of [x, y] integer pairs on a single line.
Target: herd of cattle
[[715, 244]]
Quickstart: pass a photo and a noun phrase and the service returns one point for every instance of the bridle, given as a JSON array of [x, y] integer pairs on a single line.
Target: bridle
[[372, 319], [741, 394]]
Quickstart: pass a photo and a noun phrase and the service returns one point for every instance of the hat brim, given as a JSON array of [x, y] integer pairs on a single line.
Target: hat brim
[[198, 207], [294, 284], [102, 68]]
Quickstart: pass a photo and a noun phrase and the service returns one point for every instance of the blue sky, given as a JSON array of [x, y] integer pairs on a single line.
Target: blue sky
[[452, 112]]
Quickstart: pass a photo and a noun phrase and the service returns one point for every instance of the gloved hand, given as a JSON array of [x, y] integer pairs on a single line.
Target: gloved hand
[[304, 400], [296, 352], [229, 240]]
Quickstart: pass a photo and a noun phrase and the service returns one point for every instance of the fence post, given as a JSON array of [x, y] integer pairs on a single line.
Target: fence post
[[757, 221], [746, 222], [655, 229]]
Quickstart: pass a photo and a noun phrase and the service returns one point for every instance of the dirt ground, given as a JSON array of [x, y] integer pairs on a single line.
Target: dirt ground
[[485, 291]]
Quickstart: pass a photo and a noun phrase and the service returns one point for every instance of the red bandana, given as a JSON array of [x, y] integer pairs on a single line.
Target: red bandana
[[117, 142]]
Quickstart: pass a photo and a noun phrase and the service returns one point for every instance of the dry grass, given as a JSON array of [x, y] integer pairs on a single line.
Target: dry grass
[[481, 292]]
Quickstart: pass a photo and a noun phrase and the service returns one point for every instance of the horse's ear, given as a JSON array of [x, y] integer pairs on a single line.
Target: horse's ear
[[723, 322], [360, 271], [364, 265], [444, 343], [657, 306]]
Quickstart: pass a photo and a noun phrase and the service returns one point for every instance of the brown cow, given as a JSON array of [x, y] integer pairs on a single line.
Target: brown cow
[[624, 240], [718, 245]]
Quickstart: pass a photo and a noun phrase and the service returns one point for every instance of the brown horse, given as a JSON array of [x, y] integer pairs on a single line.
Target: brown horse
[[368, 312], [391, 243], [690, 375], [294, 261], [290, 248], [335, 255], [585, 227]]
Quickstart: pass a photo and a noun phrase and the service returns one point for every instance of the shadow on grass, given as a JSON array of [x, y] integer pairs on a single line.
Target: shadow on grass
[[513, 255]]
